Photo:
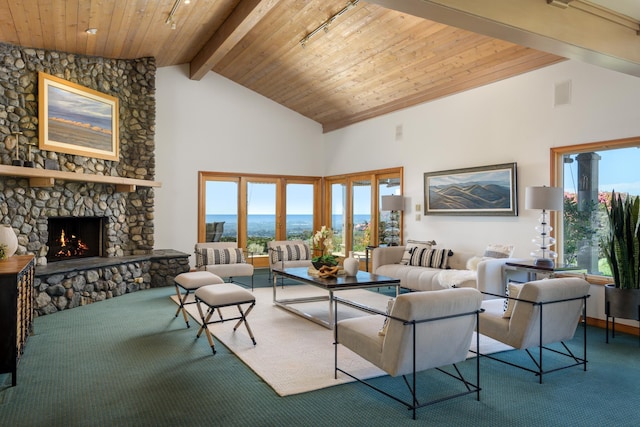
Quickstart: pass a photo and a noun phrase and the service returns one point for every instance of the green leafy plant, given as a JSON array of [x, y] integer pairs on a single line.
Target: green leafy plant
[[3, 251], [622, 244]]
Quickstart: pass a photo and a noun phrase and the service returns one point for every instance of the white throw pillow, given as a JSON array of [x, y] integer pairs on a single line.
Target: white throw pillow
[[496, 250], [514, 292], [382, 332]]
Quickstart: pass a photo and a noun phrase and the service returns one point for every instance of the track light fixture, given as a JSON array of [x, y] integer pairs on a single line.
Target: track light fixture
[[170, 20], [325, 25]]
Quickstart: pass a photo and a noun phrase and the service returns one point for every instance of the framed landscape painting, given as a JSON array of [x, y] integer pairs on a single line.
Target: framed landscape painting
[[77, 120], [485, 190]]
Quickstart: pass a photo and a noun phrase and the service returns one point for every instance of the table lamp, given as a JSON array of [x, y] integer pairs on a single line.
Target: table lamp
[[546, 199], [393, 203]]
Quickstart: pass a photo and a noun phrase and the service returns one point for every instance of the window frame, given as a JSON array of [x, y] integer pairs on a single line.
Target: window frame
[[557, 168], [242, 179], [374, 177]]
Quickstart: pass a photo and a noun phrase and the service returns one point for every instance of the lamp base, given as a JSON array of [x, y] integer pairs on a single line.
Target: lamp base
[[544, 262]]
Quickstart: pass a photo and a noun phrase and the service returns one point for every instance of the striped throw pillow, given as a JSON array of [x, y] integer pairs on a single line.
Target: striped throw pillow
[[210, 256], [413, 244], [434, 258], [294, 252]]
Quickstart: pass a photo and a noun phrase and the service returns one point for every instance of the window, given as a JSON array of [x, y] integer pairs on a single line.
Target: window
[[589, 173], [355, 213], [254, 209]]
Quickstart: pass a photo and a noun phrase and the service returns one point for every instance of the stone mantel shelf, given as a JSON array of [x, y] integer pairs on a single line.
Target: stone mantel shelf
[[46, 178]]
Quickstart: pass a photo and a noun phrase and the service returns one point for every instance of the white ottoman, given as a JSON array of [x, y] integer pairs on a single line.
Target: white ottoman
[[224, 295], [190, 282]]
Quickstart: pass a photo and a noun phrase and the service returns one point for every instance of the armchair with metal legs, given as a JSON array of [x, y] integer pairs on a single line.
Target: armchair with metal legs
[[544, 312], [425, 330]]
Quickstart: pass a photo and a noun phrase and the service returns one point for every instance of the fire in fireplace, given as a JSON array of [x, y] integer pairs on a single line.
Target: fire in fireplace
[[75, 237]]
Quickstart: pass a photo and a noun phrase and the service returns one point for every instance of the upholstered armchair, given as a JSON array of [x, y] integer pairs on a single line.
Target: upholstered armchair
[[288, 254], [223, 259], [424, 330], [539, 313]]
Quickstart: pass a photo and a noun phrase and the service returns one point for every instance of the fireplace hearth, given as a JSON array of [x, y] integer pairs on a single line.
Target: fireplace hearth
[[75, 237]]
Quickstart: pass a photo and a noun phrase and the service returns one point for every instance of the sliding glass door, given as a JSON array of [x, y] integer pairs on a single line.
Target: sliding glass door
[[354, 209]]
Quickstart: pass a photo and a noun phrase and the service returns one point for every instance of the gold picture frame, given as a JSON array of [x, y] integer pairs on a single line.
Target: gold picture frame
[[77, 120]]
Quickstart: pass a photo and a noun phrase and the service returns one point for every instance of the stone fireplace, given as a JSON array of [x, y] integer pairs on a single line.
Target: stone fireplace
[[118, 256], [75, 237]]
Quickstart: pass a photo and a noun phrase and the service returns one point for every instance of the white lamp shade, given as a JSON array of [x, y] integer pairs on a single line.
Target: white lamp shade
[[544, 198], [392, 203]]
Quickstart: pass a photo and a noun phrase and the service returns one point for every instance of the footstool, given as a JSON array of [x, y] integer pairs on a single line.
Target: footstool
[[190, 282], [224, 295]]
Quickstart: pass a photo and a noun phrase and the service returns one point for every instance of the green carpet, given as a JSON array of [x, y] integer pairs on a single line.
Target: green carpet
[[128, 362]]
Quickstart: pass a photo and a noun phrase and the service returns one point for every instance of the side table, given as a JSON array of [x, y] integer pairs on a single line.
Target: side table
[[532, 271]]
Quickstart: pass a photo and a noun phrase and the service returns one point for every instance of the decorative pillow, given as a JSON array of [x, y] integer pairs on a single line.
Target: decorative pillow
[[513, 292], [210, 256], [411, 245], [385, 325], [291, 252], [434, 258], [498, 251]]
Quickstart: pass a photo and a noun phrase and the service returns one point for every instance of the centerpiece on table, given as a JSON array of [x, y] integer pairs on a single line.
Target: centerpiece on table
[[323, 260]]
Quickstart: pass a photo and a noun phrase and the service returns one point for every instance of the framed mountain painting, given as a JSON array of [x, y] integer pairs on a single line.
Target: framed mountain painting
[[484, 190]]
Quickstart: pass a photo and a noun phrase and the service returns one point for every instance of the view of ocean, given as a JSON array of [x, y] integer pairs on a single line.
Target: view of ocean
[[263, 225]]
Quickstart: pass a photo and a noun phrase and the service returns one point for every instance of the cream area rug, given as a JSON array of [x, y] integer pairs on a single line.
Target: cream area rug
[[295, 355]]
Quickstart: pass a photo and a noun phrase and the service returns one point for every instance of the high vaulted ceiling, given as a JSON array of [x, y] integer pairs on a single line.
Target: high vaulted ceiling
[[371, 59]]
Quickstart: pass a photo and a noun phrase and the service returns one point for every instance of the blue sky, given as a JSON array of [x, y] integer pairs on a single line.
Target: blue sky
[[619, 170], [261, 199]]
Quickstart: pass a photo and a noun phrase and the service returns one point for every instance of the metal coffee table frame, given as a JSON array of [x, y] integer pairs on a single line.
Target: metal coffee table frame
[[363, 280]]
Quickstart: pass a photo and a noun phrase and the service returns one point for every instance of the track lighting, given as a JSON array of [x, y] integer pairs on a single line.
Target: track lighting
[[170, 20], [325, 25]]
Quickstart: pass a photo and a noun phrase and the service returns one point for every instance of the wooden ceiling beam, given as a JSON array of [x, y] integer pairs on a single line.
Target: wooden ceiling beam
[[581, 31], [243, 18]]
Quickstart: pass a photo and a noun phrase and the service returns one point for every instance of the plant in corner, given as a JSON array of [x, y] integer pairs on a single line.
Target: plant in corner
[[323, 246], [622, 250]]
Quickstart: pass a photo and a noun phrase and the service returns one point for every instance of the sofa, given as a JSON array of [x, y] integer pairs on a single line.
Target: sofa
[[457, 270]]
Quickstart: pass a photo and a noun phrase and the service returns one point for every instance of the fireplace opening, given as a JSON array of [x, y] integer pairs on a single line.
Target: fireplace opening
[[75, 237]]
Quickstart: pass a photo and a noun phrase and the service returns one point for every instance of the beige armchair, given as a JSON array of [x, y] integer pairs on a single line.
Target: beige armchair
[[542, 312], [288, 254], [223, 259], [425, 330]]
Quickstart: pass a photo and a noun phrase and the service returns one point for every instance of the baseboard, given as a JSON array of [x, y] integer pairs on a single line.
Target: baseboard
[[626, 329]]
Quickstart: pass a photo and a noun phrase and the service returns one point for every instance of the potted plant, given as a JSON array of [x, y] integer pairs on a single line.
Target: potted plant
[[322, 247], [622, 251]]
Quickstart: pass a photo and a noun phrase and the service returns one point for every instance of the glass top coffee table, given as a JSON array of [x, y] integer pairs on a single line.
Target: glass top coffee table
[[362, 280]]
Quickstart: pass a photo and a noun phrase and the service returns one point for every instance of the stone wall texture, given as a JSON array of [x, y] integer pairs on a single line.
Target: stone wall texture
[[132, 263], [65, 289], [129, 228]]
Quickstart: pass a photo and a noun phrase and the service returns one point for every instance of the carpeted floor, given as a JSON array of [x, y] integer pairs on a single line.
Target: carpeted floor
[[303, 349], [128, 362]]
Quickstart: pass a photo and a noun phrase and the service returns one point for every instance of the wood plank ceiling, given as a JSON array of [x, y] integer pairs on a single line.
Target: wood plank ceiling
[[371, 61]]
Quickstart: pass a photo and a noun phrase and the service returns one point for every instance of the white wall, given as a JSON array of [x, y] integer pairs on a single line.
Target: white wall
[[216, 125]]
